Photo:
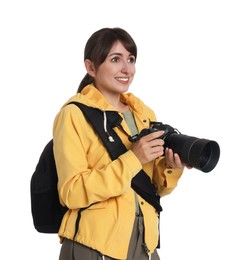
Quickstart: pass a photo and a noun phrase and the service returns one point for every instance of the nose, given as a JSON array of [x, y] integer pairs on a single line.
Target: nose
[[125, 68]]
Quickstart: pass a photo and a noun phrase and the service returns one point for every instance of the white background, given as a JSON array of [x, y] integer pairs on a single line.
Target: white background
[[192, 70]]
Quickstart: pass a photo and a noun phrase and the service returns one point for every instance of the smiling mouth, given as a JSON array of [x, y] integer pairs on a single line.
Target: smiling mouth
[[122, 79]]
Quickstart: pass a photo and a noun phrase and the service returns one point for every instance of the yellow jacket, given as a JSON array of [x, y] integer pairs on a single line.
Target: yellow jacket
[[86, 174]]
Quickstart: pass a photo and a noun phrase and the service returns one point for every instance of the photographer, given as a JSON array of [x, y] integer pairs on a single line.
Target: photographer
[[118, 222]]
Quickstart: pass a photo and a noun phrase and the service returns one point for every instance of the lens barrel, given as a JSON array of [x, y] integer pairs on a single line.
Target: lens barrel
[[202, 154]]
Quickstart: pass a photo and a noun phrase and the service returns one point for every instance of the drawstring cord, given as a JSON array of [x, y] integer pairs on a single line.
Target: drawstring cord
[[110, 138]]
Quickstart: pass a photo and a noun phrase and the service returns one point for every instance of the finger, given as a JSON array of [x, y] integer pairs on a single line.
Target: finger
[[169, 157], [173, 160], [153, 136], [155, 153], [177, 161], [156, 142], [157, 149]]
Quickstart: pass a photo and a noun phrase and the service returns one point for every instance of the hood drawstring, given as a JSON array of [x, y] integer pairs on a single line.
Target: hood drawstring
[[110, 138]]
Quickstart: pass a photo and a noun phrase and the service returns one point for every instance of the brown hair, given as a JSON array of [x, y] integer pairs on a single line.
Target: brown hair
[[99, 45]]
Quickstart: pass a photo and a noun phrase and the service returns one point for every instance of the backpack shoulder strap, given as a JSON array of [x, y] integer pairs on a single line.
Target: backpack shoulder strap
[[96, 118]]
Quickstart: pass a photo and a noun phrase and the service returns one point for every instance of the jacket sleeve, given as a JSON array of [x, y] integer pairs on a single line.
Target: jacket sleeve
[[165, 179], [80, 182]]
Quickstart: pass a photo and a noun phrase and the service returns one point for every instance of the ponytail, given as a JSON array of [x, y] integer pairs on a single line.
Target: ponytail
[[85, 81]]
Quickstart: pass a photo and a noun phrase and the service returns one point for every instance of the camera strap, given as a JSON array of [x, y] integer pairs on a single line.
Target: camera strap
[[141, 183]]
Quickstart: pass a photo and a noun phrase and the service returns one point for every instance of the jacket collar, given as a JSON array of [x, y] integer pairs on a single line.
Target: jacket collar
[[92, 97]]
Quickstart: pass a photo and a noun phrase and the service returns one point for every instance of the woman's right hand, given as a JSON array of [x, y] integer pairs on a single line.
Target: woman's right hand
[[149, 147]]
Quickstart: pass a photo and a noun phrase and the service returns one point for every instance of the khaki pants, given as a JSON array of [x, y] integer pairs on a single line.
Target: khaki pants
[[136, 247]]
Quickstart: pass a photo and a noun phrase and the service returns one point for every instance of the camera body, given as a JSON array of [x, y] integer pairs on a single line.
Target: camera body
[[202, 154], [154, 127]]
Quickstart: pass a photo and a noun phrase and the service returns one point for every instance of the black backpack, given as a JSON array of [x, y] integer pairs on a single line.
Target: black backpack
[[46, 209], [47, 212]]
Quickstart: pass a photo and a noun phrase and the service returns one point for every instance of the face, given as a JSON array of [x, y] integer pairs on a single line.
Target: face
[[116, 73]]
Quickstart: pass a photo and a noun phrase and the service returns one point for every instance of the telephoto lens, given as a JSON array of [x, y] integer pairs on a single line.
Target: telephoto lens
[[202, 154]]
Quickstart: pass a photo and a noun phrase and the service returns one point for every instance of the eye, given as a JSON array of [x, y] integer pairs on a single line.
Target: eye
[[132, 59], [115, 59]]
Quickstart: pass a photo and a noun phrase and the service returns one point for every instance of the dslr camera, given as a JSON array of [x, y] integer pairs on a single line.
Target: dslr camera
[[201, 154]]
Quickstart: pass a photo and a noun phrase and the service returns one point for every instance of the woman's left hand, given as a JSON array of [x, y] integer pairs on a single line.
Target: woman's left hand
[[173, 160]]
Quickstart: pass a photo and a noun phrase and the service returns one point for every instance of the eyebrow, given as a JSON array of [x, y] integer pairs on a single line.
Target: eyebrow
[[118, 54]]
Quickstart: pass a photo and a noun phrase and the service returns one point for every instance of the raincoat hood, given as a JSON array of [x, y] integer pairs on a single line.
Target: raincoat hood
[[92, 97]]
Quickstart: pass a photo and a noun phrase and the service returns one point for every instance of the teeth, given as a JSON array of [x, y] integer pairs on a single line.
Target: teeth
[[122, 79]]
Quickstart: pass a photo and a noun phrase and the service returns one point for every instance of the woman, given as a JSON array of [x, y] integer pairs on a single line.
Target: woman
[[118, 223]]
